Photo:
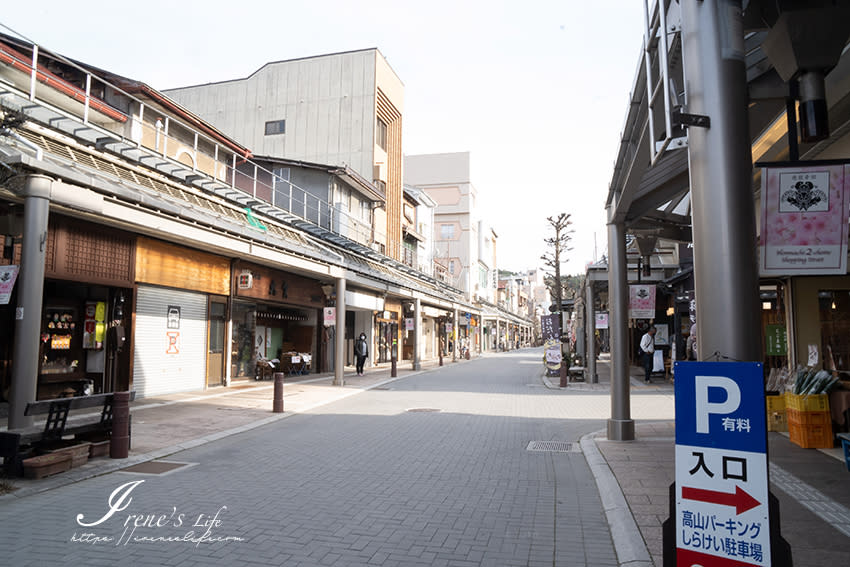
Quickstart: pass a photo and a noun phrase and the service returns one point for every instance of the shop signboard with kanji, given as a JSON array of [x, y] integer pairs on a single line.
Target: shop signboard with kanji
[[722, 517], [642, 301], [804, 219]]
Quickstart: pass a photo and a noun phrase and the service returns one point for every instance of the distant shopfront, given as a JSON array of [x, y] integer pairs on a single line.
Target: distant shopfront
[[276, 316]]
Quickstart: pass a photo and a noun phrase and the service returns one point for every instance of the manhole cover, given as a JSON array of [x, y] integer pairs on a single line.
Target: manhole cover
[[422, 410], [156, 467], [552, 447]]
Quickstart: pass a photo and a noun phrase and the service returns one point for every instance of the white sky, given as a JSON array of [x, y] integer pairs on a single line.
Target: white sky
[[536, 90]]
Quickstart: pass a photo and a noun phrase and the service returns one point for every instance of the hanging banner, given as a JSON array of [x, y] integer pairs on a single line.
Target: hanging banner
[[601, 320], [642, 301], [549, 327], [329, 316], [8, 275], [804, 216]]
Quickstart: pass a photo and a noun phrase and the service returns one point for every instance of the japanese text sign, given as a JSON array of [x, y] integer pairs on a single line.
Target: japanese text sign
[[721, 465], [804, 214], [549, 326], [642, 301]]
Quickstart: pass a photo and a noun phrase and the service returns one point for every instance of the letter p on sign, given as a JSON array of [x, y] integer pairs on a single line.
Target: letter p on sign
[[704, 407]]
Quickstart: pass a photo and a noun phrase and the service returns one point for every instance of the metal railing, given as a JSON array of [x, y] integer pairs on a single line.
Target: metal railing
[[114, 118]]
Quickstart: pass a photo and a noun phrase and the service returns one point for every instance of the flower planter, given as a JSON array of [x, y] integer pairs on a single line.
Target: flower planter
[[79, 453], [46, 465], [99, 449]]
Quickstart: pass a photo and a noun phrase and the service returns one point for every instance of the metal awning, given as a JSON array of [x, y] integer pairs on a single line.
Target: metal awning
[[656, 197]]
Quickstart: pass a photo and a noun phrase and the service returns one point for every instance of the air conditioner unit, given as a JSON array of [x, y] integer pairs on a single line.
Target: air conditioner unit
[[379, 172]]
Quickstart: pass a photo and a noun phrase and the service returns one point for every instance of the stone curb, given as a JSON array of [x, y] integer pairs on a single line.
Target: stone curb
[[628, 543]]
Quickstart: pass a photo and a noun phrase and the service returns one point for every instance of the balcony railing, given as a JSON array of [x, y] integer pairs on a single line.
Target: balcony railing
[[137, 123]]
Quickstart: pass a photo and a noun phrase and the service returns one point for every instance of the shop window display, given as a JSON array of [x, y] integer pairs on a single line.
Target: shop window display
[[244, 325]]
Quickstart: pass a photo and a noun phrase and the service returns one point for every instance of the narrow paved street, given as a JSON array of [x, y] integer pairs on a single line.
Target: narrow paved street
[[433, 469]]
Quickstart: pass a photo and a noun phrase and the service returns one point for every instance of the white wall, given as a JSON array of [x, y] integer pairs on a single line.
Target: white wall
[[328, 103]]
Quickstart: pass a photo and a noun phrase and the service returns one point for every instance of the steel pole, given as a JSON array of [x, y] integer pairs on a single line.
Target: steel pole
[[24, 385], [454, 335], [621, 427], [339, 363], [590, 325], [720, 163], [417, 333]]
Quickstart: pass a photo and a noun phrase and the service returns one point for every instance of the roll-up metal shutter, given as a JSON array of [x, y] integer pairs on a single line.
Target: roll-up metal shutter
[[170, 341]]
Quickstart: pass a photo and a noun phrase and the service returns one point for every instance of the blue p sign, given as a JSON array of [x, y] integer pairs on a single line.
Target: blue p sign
[[721, 404], [705, 407]]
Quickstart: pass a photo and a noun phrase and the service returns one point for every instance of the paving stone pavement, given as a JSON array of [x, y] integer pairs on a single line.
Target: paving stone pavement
[[373, 479]]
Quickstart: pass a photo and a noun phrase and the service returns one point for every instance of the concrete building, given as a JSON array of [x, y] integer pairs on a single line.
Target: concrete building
[[446, 179], [342, 109]]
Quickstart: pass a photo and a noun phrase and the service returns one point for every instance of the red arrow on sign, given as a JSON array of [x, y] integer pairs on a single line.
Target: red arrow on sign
[[740, 499]]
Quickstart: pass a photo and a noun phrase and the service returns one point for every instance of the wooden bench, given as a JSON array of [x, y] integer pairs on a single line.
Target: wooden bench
[[56, 426]]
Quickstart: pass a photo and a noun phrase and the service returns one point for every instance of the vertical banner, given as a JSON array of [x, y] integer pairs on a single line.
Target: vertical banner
[[642, 301], [8, 275], [549, 328], [551, 331], [804, 216], [329, 316]]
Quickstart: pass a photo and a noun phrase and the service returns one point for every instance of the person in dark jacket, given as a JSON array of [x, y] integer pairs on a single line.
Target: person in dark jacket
[[361, 352]]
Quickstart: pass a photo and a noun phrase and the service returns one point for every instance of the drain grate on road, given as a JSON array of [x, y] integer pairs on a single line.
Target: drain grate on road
[[423, 410], [159, 468], [553, 447]]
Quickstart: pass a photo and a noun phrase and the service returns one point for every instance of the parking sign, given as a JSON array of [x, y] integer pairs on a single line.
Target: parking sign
[[722, 517]]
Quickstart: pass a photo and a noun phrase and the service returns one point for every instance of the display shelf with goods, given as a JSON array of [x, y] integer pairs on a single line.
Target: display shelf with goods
[[61, 346]]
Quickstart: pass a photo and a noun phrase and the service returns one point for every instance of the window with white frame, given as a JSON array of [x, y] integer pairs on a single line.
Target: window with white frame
[[282, 187], [447, 231]]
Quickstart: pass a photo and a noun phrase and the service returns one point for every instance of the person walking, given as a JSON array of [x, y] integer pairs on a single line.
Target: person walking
[[361, 352], [647, 350]]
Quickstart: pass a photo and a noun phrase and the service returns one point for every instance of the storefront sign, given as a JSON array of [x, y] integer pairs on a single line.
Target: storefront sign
[[245, 280], [776, 339], [172, 316], [601, 320], [642, 301], [804, 218], [329, 316], [552, 349], [8, 275], [722, 516], [363, 300], [408, 324]]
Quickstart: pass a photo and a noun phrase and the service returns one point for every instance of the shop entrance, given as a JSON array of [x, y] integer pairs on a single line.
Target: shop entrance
[[215, 342], [387, 335]]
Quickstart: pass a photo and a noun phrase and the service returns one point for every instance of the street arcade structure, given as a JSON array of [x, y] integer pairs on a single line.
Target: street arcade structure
[[723, 515]]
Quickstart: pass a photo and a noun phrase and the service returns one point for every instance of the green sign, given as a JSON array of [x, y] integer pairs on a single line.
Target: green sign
[[253, 222], [776, 339]]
